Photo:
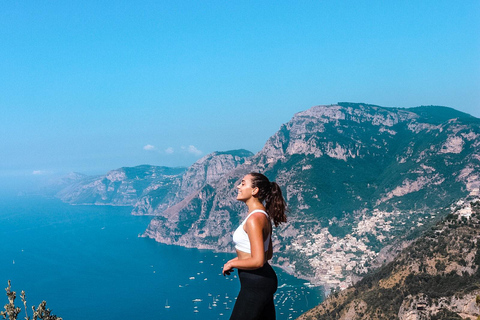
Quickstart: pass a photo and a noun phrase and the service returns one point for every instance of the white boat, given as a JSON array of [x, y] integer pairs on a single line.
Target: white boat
[[166, 305]]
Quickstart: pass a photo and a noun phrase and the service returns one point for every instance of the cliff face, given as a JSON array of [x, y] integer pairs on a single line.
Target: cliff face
[[206, 171], [360, 181], [436, 277]]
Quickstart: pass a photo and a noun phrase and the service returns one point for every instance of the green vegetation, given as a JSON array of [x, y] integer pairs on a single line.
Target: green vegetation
[[158, 195], [357, 105], [197, 211], [446, 314], [339, 230], [237, 153], [143, 176], [438, 114], [436, 286]]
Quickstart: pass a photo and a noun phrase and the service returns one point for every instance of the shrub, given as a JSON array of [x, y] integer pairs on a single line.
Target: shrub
[[11, 311]]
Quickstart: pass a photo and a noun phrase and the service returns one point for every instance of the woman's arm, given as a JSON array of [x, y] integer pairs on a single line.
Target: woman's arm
[[270, 249], [254, 227]]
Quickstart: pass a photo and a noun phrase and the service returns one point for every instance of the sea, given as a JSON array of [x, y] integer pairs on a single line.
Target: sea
[[89, 262]]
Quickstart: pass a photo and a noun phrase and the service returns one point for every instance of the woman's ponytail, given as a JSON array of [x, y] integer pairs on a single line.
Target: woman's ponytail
[[271, 193], [275, 204]]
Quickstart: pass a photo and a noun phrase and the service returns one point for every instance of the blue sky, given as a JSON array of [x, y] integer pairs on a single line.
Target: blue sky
[[90, 86]]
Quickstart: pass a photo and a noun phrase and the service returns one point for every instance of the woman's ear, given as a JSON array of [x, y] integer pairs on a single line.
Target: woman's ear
[[254, 191]]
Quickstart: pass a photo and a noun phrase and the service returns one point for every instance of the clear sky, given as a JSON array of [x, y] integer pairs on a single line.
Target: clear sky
[[90, 86]]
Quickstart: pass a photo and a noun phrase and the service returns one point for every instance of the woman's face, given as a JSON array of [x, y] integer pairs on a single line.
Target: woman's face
[[245, 190]]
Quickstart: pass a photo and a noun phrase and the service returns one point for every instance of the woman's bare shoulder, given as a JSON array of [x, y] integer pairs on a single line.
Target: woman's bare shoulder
[[257, 218]]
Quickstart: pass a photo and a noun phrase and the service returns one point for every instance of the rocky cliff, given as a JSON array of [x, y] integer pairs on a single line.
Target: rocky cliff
[[436, 277], [361, 181], [121, 187], [149, 189], [206, 171]]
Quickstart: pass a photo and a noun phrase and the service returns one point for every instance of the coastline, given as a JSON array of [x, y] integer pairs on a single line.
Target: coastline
[[311, 282]]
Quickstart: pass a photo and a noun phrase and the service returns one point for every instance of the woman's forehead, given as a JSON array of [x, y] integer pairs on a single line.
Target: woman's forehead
[[246, 178]]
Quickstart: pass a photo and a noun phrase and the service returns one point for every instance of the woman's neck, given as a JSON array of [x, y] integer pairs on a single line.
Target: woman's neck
[[254, 204]]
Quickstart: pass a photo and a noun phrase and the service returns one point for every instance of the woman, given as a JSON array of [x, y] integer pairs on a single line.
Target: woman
[[253, 243]]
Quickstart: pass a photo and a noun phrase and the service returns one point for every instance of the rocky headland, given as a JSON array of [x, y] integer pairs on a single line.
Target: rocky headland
[[362, 183]]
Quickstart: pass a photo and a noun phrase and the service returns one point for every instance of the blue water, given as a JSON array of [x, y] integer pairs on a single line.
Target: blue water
[[88, 262]]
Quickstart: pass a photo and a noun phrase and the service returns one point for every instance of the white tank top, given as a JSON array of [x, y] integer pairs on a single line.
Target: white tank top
[[240, 237]]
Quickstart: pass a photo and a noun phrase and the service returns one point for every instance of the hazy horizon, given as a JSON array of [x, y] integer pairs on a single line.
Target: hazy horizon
[[91, 87]]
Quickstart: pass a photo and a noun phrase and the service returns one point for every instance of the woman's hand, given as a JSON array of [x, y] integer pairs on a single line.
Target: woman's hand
[[227, 268]]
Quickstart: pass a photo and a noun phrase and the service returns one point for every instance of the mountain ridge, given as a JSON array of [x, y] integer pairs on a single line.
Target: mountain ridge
[[359, 180], [289, 157]]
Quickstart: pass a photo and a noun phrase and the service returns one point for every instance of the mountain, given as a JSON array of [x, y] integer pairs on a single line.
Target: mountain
[[149, 189], [205, 171], [436, 277], [53, 186], [361, 182], [121, 187]]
